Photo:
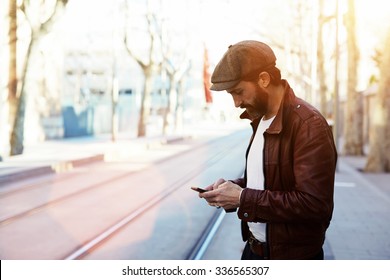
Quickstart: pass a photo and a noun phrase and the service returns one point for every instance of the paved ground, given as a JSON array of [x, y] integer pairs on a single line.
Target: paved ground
[[360, 228]]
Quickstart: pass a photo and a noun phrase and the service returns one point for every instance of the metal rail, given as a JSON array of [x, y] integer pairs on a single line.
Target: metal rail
[[203, 242], [38, 208], [207, 236]]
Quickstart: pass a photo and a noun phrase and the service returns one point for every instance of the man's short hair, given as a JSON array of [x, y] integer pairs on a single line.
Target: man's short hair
[[273, 71]]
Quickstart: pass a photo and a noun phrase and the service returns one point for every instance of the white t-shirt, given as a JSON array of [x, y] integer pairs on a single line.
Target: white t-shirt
[[254, 171]]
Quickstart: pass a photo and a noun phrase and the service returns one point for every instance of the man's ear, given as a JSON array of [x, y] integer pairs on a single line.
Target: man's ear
[[264, 79]]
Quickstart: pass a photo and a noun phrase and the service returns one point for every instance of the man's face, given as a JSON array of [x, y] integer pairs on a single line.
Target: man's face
[[250, 96]]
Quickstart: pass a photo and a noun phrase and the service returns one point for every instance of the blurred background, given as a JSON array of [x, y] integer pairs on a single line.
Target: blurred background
[[142, 67]]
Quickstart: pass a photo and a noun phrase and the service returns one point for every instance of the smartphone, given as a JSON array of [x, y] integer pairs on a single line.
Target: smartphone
[[199, 189]]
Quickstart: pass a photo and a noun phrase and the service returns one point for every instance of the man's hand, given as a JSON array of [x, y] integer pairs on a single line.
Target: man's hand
[[223, 194]]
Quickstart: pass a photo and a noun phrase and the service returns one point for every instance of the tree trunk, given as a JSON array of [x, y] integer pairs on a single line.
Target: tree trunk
[[145, 103], [353, 126], [17, 135], [147, 68], [171, 105], [12, 66], [379, 156], [180, 106], [321, 61]]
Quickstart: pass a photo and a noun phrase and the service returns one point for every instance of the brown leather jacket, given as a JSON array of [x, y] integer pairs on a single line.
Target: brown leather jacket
[[299, 169]]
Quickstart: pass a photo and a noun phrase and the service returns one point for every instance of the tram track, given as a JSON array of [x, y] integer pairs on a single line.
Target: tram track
[[201, 244], [7, 219], [205, 239], [103, 236], [196, 252], [65, 176], [30, 186]]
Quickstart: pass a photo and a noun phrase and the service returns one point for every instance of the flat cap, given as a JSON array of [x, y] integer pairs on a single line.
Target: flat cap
[[240, 60]]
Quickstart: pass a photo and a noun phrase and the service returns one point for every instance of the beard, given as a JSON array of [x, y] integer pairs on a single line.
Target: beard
[[259, 106]]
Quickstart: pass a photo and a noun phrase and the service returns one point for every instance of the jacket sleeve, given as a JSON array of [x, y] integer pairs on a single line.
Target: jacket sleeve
[[239, 181], [311, 195]]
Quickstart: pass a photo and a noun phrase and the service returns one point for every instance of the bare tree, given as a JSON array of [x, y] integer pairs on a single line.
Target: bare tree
[[175, 97], [304, 60], [298, 49], [180, 99], [353, 126], [176, 65], [38, 27], [379, 155], [321, 73], [12, 66], [148, 68]]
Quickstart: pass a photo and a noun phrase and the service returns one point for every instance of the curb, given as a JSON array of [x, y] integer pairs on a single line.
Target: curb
[[23, 172]]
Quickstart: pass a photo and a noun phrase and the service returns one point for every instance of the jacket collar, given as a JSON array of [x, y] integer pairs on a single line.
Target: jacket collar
[[277, 125]]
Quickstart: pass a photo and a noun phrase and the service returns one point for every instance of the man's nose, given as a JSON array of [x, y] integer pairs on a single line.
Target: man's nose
[[237, 101]]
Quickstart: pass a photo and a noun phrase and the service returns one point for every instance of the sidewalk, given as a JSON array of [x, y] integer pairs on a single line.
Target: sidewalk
[[56, 156], [360, 227]]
